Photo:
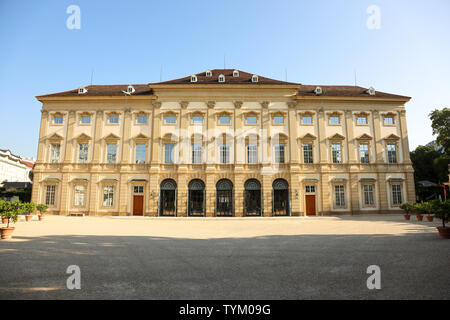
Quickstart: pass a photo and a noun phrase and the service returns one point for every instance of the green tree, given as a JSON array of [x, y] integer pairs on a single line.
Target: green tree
[[440, 123], [422, 159]]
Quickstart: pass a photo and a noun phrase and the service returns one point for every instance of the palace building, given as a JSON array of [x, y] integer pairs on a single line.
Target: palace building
[[223, 143]]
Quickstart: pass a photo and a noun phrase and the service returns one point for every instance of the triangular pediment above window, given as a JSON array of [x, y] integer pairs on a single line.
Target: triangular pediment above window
[[83, 137], [308, 136], [55, 137], [336, 136], [111, 137], [364, 137], [141, 137], [392, 137]]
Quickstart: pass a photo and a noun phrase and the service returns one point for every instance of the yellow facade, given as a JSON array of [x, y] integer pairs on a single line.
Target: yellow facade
[[262, 118]]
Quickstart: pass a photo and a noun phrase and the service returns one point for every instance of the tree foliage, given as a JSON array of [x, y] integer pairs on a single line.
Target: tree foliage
[[440, 123]]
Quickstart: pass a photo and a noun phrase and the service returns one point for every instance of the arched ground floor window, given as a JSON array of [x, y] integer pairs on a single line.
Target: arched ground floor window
[[168, 198], [196, 200], [224, 198], [252, 198], [280, 197]]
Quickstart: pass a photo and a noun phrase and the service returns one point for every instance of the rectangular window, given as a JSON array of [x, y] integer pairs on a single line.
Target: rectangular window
[[224, 120], [308, 153], [251, 120], [58, 120], [307, 120], [169, 153], [279, 153], [171, 119], [392, 153], [50, 195], [368, 194], [362, 120], [79, 196], [113, 119], [197, 119], [142, 119], [54, 152], [334, 120], [396, 194], [339, 194], [224, 153], [388, 121], [310, 189], [197, 153], [108, 196], [111, 153], [141, 152], [252, 153], [85, 119], [336, 153], [278, 120], [83, 152], [138, 189], [364, 153]]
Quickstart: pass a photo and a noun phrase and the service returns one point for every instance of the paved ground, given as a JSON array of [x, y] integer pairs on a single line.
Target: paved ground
[[227, 258]]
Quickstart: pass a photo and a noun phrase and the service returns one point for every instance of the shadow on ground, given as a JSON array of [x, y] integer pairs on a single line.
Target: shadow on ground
[[413, 266]]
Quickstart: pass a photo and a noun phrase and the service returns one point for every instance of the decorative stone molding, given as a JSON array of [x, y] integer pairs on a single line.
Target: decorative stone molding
[[336, 137], [111, 138], [156, 104], [364, 137], [392, 137], [184, 104], [264, 104], [44, 112], [83, 138], [292, 104], [237, 104], [211, 104]]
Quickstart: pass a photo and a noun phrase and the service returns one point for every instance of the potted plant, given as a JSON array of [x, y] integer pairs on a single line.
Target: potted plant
[[30, 208], [42, 208], [3, 208], [12, 214], [441, 210], [419, 209], [407, 207], [431, 206]]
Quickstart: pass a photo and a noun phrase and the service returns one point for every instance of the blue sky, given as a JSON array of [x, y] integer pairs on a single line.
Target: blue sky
[[317, 42]]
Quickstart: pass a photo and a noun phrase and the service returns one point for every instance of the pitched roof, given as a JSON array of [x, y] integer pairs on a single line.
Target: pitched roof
[[243, 78], [103, 90], [344, 91]]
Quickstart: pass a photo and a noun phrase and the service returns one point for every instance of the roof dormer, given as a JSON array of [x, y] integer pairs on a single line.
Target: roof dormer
[[130, 89], [254, 78], [82, 90], [221, 78], [235, 73], [371, 91], [193, 78], [318, 91], [208, 73]]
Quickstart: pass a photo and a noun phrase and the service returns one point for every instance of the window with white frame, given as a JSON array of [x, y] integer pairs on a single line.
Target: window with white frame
[[138, 189], [55, 150], [369, 195], [224, 120], [310, 188], [108, 196], [141, 119], [396, 194], [224, 153], [252, 153], [169, 150], [278, 120], [388, 120], [392, 153], [339, 195], [83, 152], [279, 153], [308, 153], [85, 119], [114, 119], [307, 119], [196, 153], [79, 196], [336, 152], [141, 153], [364, 153], [58, 119], [251, 119], [50, 195], [361, 120], [197, 119], [111, 153]]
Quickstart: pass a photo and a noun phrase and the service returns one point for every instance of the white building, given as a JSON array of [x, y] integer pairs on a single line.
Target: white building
[[14, 168]]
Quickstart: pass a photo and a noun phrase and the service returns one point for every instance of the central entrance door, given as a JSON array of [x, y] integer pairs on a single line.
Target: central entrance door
[[252, 198], [280, 195], [168, 198], [138, 205], [196, 202], [310, 200], [224, 196]]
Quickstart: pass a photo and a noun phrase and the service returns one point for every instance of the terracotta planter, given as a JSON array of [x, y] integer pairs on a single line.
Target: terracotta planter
[[407, 216], [430, 218], [28, 218], [443, 232], [419, 218], [7, 232], [5, 220], [41, 217]]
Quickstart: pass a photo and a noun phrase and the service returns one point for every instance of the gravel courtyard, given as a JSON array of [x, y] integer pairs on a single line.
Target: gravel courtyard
[[225, 258]]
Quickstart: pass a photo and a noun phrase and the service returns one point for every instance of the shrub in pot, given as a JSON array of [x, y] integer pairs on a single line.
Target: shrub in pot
[[12, 214], [420, 209], [30, 208], [407, 207], [3, 208], [42, 208], [441, 210]]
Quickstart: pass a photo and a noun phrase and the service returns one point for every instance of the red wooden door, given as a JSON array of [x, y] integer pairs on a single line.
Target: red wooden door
[[138, 205], [310, 205]]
